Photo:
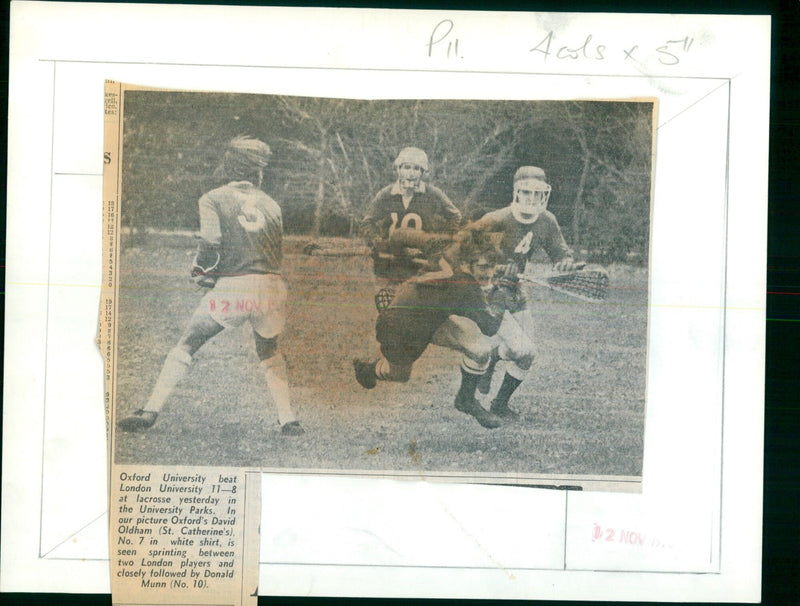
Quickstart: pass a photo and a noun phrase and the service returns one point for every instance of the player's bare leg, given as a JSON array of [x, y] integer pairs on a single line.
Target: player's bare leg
[[463, 335], [274, 366], [517, 347], [202, 327]]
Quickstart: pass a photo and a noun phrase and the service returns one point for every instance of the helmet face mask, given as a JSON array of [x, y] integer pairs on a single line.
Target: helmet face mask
[[530, 199], [409, 175], [411, 163]]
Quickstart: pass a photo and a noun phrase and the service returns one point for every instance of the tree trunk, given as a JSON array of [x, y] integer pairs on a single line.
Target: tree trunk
[[577, 209], [319, 199]]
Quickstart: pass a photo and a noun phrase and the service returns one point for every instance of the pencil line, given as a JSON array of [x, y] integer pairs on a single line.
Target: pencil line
[[47, 306], [384, 69]]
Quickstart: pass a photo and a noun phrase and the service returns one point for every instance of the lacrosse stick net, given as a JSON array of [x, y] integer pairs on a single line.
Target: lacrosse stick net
[[585, 283]]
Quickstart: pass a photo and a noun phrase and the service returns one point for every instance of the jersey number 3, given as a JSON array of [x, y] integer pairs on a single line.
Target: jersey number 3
[[412, 220], [524, 245]]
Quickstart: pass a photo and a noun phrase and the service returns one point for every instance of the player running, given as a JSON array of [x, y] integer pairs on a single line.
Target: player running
[[446, 308], [526, 226], [407, 204], [239, 258]]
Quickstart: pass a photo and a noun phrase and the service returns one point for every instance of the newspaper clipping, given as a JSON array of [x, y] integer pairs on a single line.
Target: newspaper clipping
[[452, 290]]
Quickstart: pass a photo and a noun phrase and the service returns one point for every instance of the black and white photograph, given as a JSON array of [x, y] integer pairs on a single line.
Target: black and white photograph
[[478, 296], [451, 289]]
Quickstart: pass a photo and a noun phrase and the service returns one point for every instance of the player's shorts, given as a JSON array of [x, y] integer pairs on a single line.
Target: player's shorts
[[256, 298], [404, 334]]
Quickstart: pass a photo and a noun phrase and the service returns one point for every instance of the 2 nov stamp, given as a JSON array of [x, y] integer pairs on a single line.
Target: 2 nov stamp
[[236, 306], [634, 538]]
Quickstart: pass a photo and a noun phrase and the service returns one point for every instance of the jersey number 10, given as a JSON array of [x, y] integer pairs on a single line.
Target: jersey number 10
[[411, 220]]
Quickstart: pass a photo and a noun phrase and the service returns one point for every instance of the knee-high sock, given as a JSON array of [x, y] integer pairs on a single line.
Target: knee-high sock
[[175, 367], [278, 386], [510, 384], [471, 372]]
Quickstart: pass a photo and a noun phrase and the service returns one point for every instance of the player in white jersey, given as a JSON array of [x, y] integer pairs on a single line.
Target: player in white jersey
[[239, 258], [526, 226]]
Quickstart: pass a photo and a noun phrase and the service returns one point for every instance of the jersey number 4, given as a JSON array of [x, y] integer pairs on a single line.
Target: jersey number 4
[[524, 245]]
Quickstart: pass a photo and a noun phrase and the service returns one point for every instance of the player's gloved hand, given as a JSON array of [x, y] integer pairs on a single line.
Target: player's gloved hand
[[505, 295], [507, 275], [567, 265], [205, 262], [501, 298]]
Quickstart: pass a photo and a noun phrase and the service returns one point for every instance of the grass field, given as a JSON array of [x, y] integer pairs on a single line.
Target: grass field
[[582, 405]]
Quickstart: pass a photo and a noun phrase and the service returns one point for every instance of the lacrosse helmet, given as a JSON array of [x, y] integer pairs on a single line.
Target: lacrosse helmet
[[411, 163], [531, 194], [245, 158]]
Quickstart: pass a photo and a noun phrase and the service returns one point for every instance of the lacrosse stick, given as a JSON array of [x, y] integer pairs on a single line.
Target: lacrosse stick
[[586, 283], [312, 249]]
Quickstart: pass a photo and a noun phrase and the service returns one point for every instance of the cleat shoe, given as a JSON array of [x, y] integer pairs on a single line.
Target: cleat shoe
[[139, 420], [502, 410], [292, 428], [472, 407], [365, 373]]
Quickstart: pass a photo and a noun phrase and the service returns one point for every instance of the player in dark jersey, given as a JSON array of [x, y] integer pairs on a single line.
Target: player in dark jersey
[[446, 308], [239, 258], [525, 226], [408, 203]]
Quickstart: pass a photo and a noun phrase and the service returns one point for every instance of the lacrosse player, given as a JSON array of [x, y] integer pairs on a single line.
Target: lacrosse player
[[407, 204], [239, 259], [525, 226], [446, 308]]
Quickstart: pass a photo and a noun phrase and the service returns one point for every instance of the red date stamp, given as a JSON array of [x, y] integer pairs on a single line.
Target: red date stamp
[[239, 306], [626, 537]]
